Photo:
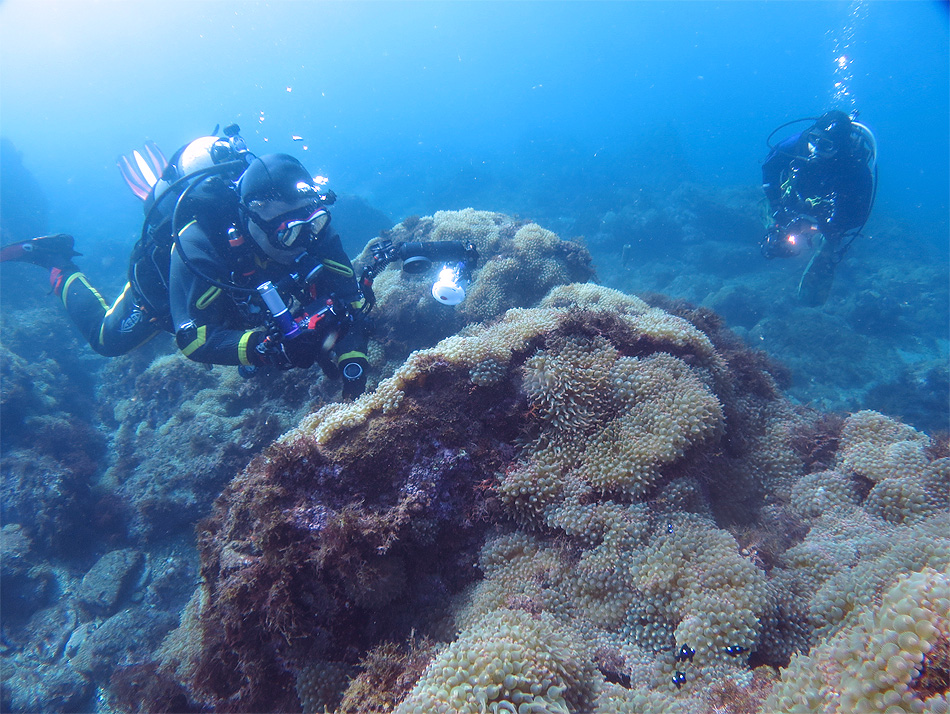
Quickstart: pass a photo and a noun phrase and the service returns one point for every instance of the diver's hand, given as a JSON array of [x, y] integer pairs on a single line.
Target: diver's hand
[[302, 349], [299, 351], [353, 371]]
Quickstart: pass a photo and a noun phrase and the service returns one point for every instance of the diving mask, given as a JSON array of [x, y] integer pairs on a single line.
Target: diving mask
[[289, 231]]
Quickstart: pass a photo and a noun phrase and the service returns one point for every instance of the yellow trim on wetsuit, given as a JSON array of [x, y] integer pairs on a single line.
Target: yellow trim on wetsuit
[[102, 327], [355, 354], [197, 342], [242, 348], [787, 187], [82, 279], [338, 268], [210, 295]]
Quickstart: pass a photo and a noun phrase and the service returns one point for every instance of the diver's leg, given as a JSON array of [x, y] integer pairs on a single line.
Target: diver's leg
[[819, 274], [86, 307], [110, 331], [126, 325]]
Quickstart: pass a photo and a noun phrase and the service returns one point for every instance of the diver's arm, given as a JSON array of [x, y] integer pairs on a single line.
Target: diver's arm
[[199, 310], [339, 280], [337, 276], [776, 168]]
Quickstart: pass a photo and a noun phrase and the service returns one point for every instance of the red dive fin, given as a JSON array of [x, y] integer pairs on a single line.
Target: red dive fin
[[55, 251]]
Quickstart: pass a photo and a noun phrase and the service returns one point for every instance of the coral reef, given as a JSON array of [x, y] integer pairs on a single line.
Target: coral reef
[[45, 487], [908, 485], [182, 430], [896, 658], [317, 555], [510, 660], [49, 446], [553, 495], [577, 501], [519, 262]]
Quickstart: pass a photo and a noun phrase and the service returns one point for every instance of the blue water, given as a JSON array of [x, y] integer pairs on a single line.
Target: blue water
[[422, 106]]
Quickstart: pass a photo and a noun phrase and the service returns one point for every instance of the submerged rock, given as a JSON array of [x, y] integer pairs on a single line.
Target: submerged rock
[[126, 638], [571, 498], [109, 579]]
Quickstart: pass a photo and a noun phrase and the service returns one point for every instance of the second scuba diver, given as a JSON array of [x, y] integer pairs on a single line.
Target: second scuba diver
[[820, 186]]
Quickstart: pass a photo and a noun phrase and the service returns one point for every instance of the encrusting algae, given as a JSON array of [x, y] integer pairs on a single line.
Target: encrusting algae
[[587, 505]]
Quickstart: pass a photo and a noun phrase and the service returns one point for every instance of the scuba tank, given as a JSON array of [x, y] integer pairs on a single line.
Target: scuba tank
[[161, 185]]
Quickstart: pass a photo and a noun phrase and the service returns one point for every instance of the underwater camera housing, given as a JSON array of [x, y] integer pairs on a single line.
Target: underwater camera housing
[[306, 270], [791, 239]]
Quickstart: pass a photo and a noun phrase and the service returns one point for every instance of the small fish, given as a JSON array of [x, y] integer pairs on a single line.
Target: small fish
[[296, 138], [686, 653]]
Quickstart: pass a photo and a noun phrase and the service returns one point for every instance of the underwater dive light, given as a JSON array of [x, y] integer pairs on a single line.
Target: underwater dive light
[[449, 289]]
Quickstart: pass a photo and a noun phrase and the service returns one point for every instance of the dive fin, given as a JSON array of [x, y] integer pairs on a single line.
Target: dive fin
[[132, 179], [156, 157], [53, 251], [143, 170]]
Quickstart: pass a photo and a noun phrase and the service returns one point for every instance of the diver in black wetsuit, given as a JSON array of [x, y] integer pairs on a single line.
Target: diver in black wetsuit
[[242, 252], [820, 187], [238, 260], [262, 280]]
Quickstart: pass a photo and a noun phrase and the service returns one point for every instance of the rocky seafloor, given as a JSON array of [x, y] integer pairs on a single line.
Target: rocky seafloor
[[557, 497]]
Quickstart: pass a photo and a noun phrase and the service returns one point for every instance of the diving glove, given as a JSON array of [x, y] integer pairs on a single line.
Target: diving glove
[[300, 351], [353, 371]]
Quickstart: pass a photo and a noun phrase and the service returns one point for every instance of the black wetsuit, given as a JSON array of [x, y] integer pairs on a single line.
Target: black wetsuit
[[212, 324], [110, 330], [224, 327], [835, 191]]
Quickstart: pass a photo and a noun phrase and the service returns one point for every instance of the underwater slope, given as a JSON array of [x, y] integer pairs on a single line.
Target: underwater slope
[[564, 499], [593, 505]]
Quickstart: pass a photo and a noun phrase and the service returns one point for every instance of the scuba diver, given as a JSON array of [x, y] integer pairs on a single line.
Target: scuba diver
[[238, 260], [820, 186]]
